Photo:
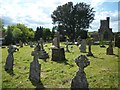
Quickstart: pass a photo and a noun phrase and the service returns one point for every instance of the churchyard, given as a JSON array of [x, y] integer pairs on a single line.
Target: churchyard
[[101, 73], [67, 55]]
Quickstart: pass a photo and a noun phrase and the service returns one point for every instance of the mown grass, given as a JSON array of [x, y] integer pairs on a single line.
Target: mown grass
[[101, 73]]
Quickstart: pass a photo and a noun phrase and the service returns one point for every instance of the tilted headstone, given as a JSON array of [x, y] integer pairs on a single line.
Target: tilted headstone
[[10, 58], [43, 54], [31, 45], [80, 80], [56, 40], [89, 48], [20, 43], [35, 67], [109, 50], [67, 50], [83, 46], [58, 52]]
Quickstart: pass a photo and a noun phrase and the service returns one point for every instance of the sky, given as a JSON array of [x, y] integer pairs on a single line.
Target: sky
[[35, 13]]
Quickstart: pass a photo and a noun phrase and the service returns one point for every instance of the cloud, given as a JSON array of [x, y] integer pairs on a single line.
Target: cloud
[[35, 13]]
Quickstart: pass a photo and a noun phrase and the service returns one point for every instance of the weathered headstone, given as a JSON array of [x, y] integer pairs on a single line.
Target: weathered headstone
[[58, 52], [109, 50], [31, 45], [89, 48], [56, 40], [35, 67], [67, 50], [83, 46], [80, 80], [43, 54], [10, 58], [20, 43]]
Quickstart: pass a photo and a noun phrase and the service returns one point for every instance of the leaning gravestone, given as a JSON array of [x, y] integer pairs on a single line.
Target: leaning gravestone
[[67, 50], [20, 43], [58, 53], [109, 50], [43, 54], [31, 44], [10, 58], [83, 46], [80, 80], [89, 48], [35, 67]]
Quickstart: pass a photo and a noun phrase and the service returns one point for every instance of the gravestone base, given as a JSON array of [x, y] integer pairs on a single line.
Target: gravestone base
[[67, 50], [35, 69], [43, 55], [89, 54], [58, 54], [109, 51]]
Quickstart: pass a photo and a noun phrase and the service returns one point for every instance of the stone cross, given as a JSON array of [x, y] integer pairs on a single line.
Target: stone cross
[[41, 42], [56, 40], [89, 48], [83, 46], [67, 50], [10, 58], [80, 80], [21, 43], [35, 67], [109, 50]]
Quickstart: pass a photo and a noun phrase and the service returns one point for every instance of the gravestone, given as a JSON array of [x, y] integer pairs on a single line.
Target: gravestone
[[109, 50], [89, 48], [31, 45], [117, 41], [35, 67], [10, 58], [58, 52], [80, 80], [20, 43], [43, 54], [83, 46], [67, 50]]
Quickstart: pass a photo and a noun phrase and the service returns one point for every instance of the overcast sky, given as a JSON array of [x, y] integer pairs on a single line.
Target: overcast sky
[[35, 13]]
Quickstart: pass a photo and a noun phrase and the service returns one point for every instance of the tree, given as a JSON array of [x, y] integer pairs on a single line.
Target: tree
[[73, 17], [46, 34], [17, 34], [38, 33], [9, 36]]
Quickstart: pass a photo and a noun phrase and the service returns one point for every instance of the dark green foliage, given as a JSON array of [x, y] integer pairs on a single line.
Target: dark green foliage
[[73, 18], [46, 34], [18, 32], [9, 37]]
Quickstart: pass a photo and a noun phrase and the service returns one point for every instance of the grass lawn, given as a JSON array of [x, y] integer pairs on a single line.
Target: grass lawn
[[101, 73]]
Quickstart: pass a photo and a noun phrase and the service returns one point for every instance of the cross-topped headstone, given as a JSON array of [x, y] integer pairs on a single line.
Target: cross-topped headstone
[[80, 80], [10, 58], [89, 48], [41, 43], [109, 50], [67, 50], [35, 67]]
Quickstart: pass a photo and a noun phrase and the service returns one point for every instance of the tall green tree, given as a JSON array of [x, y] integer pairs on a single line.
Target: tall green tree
[[9, 36], [73, 17], [38, 33], [46, 34]]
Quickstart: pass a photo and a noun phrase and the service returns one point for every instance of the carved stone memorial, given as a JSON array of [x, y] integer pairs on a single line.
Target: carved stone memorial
[[83, 46], [58, 52], [10, 58], [80, 80], [109, 50], [35, 67]]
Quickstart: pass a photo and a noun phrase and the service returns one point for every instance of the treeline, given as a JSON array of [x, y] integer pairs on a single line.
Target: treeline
[[19, 32]]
